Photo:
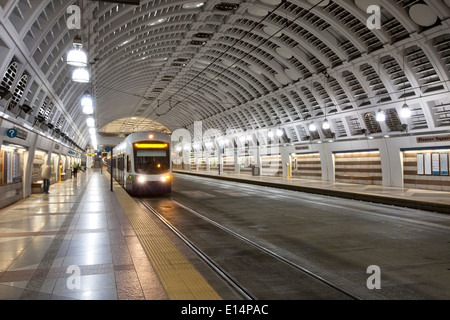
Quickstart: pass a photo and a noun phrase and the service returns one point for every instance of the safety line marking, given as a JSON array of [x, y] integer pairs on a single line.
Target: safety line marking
[[177, 275]]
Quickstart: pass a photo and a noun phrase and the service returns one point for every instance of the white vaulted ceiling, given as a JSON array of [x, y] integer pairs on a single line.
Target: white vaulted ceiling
[[240, 65]]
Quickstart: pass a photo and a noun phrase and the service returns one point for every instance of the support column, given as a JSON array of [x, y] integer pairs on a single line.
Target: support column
[[391, 164], [327, 163], [237, 165], [28, 166], [286, 162]]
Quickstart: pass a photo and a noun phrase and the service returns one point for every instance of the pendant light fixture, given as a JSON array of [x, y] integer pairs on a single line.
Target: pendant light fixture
[[90, 122], [88, 104], [76, 56], [279, 132], [81, 75], [381, 116], [406, 111]]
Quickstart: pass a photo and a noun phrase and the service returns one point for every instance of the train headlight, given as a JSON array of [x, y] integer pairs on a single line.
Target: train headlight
[[141, 179], [166, 178]]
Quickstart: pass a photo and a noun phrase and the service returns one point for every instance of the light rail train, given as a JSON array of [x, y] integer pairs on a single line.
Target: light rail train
[[142, 163]]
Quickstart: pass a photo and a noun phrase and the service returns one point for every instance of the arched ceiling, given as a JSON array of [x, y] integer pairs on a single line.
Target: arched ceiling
[[240, 65], [129, 125]]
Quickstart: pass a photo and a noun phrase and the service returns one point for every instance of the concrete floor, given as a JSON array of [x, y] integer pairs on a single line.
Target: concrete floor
[[82, 223], [336, 238]]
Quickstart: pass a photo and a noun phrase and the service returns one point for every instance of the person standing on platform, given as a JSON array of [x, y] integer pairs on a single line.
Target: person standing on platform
[[45, 175], [75, 169]]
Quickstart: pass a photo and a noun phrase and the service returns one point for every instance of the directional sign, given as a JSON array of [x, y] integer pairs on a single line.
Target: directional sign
[[11, 133]]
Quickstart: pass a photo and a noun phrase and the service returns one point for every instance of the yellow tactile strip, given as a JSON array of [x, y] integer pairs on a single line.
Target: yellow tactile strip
[[177, 275]]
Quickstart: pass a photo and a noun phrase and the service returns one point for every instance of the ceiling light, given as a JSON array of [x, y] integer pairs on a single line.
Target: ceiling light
[[312, 127], [81, 75], [88, 104], [127, 41], [156, 22], [279, 132], [326, 125], [88, 109], [270, 134], [193, 5], [90, 122], [77, 57], [381, 116], [406, 111]]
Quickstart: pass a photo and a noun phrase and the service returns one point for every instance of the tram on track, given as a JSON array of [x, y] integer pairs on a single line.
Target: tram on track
[[142, 163]]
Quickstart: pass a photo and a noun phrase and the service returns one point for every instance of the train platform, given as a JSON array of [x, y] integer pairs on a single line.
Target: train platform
[[429, 200], [82, 241]]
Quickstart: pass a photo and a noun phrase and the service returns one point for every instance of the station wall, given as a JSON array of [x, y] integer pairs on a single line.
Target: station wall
[[387, 161], [21, 158]]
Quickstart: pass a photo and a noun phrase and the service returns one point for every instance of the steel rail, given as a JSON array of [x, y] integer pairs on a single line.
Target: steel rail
[[223, 274], [271, 253]]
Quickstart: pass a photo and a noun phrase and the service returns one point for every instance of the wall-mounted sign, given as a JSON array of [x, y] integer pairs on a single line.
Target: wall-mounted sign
[[427, 163], [11, 133], [420, 160], [435, 168], [433, 139], [444, 163], [17, 133]]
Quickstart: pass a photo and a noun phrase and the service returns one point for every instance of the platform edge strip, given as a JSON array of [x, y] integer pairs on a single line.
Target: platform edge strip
[[178, 276]]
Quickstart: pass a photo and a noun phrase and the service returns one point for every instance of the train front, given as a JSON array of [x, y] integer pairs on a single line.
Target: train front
[[152, 167]]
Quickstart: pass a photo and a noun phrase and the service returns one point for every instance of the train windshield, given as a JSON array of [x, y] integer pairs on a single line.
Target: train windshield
[[151, 160]]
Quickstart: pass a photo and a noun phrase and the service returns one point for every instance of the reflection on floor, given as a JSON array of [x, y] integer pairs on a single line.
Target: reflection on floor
[[78, 229]]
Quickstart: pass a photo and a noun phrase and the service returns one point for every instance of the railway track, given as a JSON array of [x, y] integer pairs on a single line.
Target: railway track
[[258, 262]]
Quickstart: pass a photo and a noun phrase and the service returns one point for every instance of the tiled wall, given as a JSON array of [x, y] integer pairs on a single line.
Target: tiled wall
[[307, 166], [412, 179], [228, 164], [358, 167], [271, 166], [200, 162]]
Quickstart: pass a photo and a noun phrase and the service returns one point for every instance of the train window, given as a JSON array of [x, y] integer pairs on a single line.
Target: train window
[[120, 164], [152, 161], [128, 163]]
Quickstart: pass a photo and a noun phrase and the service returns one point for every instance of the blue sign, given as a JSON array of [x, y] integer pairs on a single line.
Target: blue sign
[[107, 149], [11, 133]]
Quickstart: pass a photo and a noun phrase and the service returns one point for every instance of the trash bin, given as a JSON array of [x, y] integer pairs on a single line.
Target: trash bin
[[255, 171]]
